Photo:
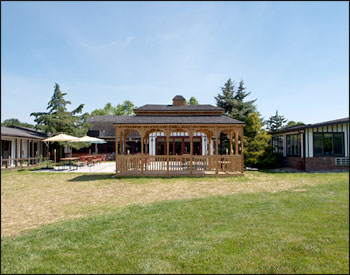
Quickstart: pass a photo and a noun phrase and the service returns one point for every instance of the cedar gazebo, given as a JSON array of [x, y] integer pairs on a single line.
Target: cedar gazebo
[[179, 139]]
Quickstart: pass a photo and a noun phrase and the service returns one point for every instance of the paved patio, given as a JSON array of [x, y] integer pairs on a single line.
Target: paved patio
[[103, 167]]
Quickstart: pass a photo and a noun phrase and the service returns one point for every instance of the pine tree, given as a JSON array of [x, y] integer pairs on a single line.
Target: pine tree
[[275, 122], [241, 108], [58, 119], [235, 105], [226, 100]]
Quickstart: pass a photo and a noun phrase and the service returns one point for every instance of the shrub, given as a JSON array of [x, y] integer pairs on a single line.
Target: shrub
[[270, 160]]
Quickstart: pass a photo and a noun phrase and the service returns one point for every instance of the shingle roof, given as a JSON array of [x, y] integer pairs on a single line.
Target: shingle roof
[[305, 126], [17, 132], [160, 108], [175, 120]]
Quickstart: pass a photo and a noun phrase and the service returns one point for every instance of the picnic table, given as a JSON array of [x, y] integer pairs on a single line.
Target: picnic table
[[69, 160]]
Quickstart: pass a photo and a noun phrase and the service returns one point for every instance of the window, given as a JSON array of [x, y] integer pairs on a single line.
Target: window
[[293, 145], [328, 144], [277, 144]]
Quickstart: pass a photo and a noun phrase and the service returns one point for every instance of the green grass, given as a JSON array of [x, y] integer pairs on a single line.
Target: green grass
[[305, 231]]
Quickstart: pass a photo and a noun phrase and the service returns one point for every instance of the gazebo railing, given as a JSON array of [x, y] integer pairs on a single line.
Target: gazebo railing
[[169, 164]]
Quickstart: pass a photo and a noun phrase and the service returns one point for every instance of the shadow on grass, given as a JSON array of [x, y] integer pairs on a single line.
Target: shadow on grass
[[92, 177]]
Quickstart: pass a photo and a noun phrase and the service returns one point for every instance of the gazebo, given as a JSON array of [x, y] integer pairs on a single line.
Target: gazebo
[[179, 139]]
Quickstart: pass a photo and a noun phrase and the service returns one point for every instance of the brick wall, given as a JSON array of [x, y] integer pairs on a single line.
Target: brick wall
[[314, 164], [292, 161], [323, 163]]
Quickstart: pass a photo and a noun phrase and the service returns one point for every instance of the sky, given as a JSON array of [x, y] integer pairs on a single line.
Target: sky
[[292, 56]]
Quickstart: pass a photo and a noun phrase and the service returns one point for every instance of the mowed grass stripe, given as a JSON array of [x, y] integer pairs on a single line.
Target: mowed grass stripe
[[282, 232]]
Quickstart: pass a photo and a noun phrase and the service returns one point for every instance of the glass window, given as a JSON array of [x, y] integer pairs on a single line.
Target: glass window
[[318, 144], [293, 145], [327, 144], [338, 143]]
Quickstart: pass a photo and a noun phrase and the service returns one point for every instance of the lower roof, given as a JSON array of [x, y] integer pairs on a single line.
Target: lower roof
[[303, 126], [21, 132], [176, 120]]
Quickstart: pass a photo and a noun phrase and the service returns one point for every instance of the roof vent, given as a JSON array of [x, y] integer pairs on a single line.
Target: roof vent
[[179, 100]]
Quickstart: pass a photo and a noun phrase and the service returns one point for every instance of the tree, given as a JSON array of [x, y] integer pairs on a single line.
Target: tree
[[236, 106], [127, 108], [275, 122], [108, 109], [58, 119], [234, 103], [193, 101], [241, 108], [293, 123], [16, 122], [226, 100], [256, 141]]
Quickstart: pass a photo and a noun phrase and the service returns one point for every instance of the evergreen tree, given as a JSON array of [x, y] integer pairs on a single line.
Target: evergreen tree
[[275, 122], [235, 105], [193, 101], [256, 141], [226, 99], [241, 108], [57, 119]]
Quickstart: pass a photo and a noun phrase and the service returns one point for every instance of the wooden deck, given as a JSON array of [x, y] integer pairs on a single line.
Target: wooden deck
[[166, 166]]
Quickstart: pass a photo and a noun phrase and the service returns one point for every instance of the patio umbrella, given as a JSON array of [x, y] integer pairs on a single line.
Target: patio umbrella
[[61, 137], [91, 140]]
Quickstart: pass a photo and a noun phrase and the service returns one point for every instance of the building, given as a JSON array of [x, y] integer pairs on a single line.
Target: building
[[21, 144], [178, 139], [312, 147]]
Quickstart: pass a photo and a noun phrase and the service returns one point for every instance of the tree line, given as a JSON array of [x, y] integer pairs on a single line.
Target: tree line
[[233, 99]]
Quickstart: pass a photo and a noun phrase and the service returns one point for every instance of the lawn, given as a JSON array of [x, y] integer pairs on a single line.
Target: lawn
[[258, 223]]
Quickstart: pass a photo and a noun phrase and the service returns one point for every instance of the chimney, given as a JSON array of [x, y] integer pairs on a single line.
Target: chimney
[[179, 100]]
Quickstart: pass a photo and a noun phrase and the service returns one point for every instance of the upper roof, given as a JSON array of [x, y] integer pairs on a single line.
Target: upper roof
[[179, 107], [305, 126], [163, 120], [201, 109], [18, 131], [175, 120]]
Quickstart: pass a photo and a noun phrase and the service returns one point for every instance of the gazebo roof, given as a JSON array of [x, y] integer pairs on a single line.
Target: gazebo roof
[[159, 107], [175, 120]]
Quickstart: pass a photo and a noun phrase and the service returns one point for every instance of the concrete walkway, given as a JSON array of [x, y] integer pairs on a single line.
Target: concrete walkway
[[103, 167]]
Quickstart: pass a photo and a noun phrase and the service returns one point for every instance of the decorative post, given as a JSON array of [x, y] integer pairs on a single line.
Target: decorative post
[[217, 151], [231, 149], [210, 151], [124, 142], [32, 155], [236, 142], [242, 155], [167, 133], [190, 134], [116, 150], [142, 151]]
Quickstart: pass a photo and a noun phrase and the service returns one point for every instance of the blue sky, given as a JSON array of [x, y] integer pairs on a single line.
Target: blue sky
[[293, 56]]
